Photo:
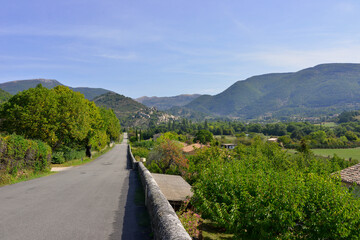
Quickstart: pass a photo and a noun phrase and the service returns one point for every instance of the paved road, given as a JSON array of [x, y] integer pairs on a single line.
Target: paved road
[[93, 201]]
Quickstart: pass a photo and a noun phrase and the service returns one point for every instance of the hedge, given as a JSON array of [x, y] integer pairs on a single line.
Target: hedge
[[18, 153]]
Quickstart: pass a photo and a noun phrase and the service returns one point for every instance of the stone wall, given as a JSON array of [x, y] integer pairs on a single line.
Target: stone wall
[[164, 221]]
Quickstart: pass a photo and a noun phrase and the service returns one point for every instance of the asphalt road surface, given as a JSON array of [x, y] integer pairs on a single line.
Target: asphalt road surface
[[93, 201]]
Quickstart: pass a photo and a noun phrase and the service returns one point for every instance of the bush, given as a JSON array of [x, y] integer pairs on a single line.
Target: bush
[[144, 144], [140, 152], [67, 154], [18, 153], [263, 193], [58, 158], [190, 220]]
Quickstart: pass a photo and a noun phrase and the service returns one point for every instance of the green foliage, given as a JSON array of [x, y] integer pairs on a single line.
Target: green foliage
[[203, 136], [17, 86], [323, 89], [66, 154], [111, 123], [58, 158], [145, 144], [133, 139], [347, 116], [4, 96], [60, 117], [261, 192], [140, 152], [190, 220], [167, 157], [18, 153]]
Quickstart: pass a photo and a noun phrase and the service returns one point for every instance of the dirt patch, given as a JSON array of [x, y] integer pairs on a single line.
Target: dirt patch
[[59, 169]]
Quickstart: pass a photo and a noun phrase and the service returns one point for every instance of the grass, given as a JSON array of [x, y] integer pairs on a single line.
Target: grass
[[25, 175], [225, 138], [327, 124], [210, 232], [121, 138], [353, 153]]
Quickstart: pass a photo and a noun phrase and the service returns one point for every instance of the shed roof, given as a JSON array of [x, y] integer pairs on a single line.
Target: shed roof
[[192, 147], [351, 174], [174, 187]]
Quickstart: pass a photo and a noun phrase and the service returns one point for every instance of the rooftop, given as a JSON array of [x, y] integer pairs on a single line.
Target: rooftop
[[351, 174], [192, 147], [174, 187]]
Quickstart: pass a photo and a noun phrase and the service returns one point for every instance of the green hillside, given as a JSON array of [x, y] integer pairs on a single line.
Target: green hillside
[[122, 106], [165, 103], [323, 88], [14, 87], [130, 112], [4, 96]]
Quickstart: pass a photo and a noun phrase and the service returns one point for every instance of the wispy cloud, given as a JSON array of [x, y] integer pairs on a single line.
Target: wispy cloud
[[34, 66], [204, 73], [83, 31], [126, 57], [304, 58], [21, 58]]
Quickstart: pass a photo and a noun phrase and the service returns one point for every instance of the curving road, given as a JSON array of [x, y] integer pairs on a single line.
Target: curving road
[[93, 201]]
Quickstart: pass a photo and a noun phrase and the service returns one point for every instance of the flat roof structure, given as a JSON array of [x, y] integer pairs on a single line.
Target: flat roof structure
[[351, 174], [174, 187]]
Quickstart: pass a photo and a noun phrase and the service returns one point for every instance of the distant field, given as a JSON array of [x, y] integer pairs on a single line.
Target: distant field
[[328, 124], [227, 138], [347, 153]]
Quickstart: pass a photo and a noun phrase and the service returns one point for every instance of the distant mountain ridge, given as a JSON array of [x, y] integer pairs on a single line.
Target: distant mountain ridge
[[165, 103], [14, 87], [320, 89], [132, 113]]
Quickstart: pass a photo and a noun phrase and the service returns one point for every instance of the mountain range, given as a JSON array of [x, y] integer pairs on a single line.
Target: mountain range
[[317, 91], [14, 87], [325, 88], [165, 103], [132, 113]]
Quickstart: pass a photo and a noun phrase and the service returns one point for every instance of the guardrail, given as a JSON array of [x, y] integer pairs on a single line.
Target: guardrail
[[164, 221]]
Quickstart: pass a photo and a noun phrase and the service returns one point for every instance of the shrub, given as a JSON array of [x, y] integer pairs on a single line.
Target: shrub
[[18, 153], [264, 193], [140, 152], [190, 220], [58, 158]]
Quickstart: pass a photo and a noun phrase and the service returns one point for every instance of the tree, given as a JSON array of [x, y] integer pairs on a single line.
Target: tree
[[168, 157], [351, 136], [59, 117], [32, 113], [203, 136]]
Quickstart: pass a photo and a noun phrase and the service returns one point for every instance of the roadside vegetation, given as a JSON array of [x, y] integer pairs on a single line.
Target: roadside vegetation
[[64, 128], [21, 159]]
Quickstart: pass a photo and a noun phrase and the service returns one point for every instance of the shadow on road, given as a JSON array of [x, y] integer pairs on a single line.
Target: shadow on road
[[136, 222]]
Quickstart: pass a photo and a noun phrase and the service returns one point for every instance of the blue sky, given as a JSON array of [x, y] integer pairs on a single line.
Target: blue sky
[[168, 47]]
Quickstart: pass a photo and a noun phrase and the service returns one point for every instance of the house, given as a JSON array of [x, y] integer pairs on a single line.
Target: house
[[273, 139], [190, 149], [351, 176], [228, 145]]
